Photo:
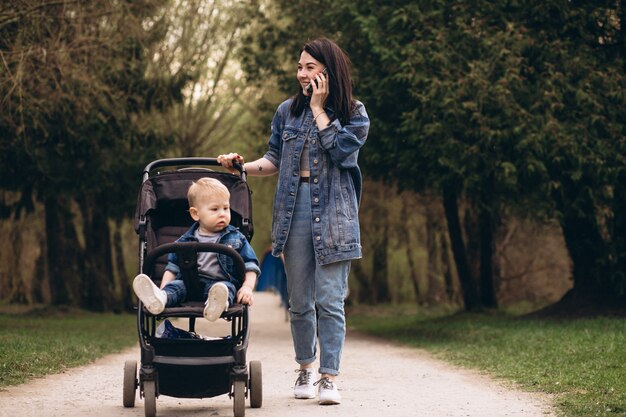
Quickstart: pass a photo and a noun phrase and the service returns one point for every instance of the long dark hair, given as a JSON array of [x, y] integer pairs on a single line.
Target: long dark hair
[[340, 85]]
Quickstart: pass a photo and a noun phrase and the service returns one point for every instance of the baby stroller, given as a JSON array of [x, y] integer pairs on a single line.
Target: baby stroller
[[189, 367]]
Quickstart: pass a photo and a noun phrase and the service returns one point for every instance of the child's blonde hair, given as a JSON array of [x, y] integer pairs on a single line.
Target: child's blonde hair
[[206, 188]]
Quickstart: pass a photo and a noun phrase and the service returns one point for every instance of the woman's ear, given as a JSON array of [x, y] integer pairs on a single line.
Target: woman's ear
[[194, 213]]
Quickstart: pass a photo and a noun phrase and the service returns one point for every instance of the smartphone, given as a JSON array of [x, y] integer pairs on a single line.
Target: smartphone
[[309, 89]]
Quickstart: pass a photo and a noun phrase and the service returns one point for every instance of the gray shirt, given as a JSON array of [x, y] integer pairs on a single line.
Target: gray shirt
[[304, 159], [208, 264]]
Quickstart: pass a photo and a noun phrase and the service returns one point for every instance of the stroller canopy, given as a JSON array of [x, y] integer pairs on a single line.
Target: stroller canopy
[[166, 193]]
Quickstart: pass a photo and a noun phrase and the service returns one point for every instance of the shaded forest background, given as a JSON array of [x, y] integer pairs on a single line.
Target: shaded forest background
[[494, 167]]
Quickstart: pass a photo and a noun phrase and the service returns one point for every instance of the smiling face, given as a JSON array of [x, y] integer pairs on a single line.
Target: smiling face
[[308, 68], [213, 214]]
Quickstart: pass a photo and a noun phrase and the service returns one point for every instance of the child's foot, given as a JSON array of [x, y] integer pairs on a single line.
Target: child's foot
[[216, 302], [153, 298], [304, 389], [329, 395]]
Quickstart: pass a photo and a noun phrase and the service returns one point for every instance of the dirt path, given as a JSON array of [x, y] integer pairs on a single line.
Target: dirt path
[[378, 379]]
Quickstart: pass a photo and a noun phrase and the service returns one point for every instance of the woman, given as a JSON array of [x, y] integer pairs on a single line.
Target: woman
[[314, 144]]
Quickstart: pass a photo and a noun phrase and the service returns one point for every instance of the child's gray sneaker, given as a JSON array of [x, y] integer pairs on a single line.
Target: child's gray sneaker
[[152, 297], [304, 387], [216, 302], [329, 394]]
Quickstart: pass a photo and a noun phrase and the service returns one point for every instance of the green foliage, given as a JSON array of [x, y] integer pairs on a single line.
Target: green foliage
[[218, 109], [34, 345], [509, 104], [582, 361], [77, 85], [73, 88]]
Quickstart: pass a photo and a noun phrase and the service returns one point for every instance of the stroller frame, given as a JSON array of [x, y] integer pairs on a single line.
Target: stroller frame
[[189, 368]]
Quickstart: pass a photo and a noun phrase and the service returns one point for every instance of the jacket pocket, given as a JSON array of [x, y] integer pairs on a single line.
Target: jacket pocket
[[289, 134], [288, 147]]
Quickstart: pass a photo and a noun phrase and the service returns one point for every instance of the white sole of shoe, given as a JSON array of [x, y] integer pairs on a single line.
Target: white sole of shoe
[[330, 402], [329, 396], [216, 302], [144, 289], [304, 396]]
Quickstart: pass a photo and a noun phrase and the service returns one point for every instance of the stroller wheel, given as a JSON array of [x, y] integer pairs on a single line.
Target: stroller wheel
[[130, 383], [256, 384], [149, 398], [239, 398]]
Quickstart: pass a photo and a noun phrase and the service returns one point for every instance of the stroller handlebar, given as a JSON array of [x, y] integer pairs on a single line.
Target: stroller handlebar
[[194, 247], [190, 160]]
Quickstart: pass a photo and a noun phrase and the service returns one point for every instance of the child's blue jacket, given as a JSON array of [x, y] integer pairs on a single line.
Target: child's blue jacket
[[231, 237]]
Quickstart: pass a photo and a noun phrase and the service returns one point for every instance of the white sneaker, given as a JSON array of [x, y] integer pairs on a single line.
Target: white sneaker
[[216, 302], [152, 297], [304, 388], [329, 394]]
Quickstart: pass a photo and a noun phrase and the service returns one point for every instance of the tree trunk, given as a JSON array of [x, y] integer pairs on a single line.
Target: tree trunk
[[593, 271], [432, 250], [18, 293], [413, 273], [41, 283], [123, 279], [97, 288], [471, 227], [487, 283], [446, 267], [593, 291], [380, 271], [619, 226], [468, 284], [479, 231], [404, 236], [586, 248], [63, 252]]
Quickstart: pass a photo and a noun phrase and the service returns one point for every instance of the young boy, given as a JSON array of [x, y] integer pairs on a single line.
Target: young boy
[[209, 207]]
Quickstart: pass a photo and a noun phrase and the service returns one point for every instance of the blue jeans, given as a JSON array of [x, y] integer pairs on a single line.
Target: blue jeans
[[177, 292], [316, 293]]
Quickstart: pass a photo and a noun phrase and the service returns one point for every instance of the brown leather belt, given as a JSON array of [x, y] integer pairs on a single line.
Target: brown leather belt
[[305, 179]]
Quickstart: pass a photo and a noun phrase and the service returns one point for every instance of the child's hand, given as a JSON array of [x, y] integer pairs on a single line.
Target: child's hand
[[245, 295]]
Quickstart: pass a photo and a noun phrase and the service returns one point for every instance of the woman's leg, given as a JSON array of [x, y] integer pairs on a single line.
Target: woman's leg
[[300, 269], [330, 288]]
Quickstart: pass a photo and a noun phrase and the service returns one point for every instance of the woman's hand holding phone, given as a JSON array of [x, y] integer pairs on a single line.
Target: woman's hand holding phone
[[319, 91], [309, 89]]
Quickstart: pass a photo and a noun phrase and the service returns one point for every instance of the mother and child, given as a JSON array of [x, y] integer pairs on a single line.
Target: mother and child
[[314, 144]]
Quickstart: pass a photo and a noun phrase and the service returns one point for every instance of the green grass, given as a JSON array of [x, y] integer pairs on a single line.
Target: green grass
[[33, 345], [581, 361]]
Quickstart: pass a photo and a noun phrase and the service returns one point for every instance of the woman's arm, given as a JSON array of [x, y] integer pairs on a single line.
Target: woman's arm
[[259, 168], [343, 142]]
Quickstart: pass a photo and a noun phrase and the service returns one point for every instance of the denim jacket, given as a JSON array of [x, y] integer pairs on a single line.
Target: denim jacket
[[335, 181], [230, 236]]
